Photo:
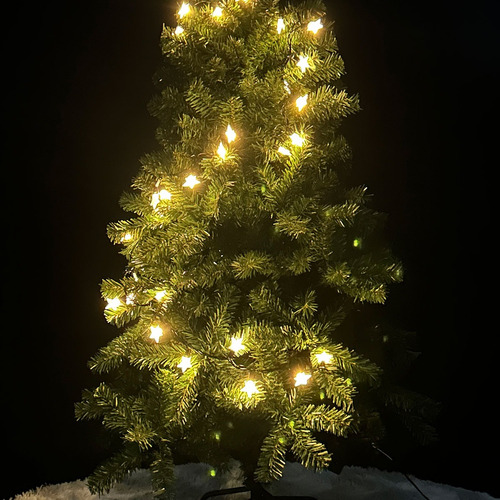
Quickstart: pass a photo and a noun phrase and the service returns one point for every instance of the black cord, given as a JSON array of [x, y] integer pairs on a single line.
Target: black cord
[[403, 473]]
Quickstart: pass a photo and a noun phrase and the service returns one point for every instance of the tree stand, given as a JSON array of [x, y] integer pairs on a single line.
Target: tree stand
[[257, 491]]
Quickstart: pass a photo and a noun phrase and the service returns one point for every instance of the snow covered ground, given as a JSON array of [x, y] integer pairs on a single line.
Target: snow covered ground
[[193, 480]]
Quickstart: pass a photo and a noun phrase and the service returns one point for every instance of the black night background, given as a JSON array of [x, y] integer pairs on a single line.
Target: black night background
[[77, 77]]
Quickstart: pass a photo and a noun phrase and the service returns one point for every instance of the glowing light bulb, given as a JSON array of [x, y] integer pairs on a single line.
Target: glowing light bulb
[[160, 196], [297, 140], [217, 12], [281, 25], [155, 199], [284, 151], [230, 134], [126, 237], [130, 299], [287, 87], [324, 357], [221, 151], [250, 388], [179, 30], [156, 333], [301, 378], [314, 26], [185, 9], [303, 63], [191, 181], [165, 195], [114, 303], [185, 363], [160, 295], [236, 345], [301, 102]]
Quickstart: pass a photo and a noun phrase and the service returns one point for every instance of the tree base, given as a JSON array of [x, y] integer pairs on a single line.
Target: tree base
[[257, 493]]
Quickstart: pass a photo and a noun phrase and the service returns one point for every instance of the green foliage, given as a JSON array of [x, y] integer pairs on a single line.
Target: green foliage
[[248, 276]]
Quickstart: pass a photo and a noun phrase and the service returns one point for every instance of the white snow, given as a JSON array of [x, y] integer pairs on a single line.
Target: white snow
[[193, 480]]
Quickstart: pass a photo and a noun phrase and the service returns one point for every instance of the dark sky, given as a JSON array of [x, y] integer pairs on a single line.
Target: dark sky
[[78, 78]]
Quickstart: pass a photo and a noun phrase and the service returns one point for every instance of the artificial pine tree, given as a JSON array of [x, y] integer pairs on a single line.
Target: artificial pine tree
[[248, 255]]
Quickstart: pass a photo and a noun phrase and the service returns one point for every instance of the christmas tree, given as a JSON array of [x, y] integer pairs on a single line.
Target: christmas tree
[[247, 258]]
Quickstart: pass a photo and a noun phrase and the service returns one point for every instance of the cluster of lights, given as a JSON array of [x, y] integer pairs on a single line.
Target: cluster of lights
[[160, 196], [231, 136], [236, 345], [250, 387], [313, 26], [296, 140]]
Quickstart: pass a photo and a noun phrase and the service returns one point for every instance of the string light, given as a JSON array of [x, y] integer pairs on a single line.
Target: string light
[[314, 26], [222, 151], [303, 63], [236, 345], [130, 299], [191, 181], [250, 388], [324, 357], [287, 87], [301, 102], [156, 333], [280, 25], [284, 151], [179, 30], [114, 303], [126, 237], [185, 363], [160, 295], [185, 9], [230, 134], [301, 378], [297, 140]]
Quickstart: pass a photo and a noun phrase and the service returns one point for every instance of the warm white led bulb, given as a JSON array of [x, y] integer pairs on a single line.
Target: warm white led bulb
[[303, 63], [217, 12], [297, 140], [314, 26], [155, 199], [185, 363], [284, 151], [113, 303], [301, 102], [324, 357], [160, 196], [280, 25], [185, 9], [287, 87], [179, 30], [191, 181], [230, 134], [156, 333], [160, 295], [236, 345], [165, 195], [221, 151], [301, 378], [250, 388]]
